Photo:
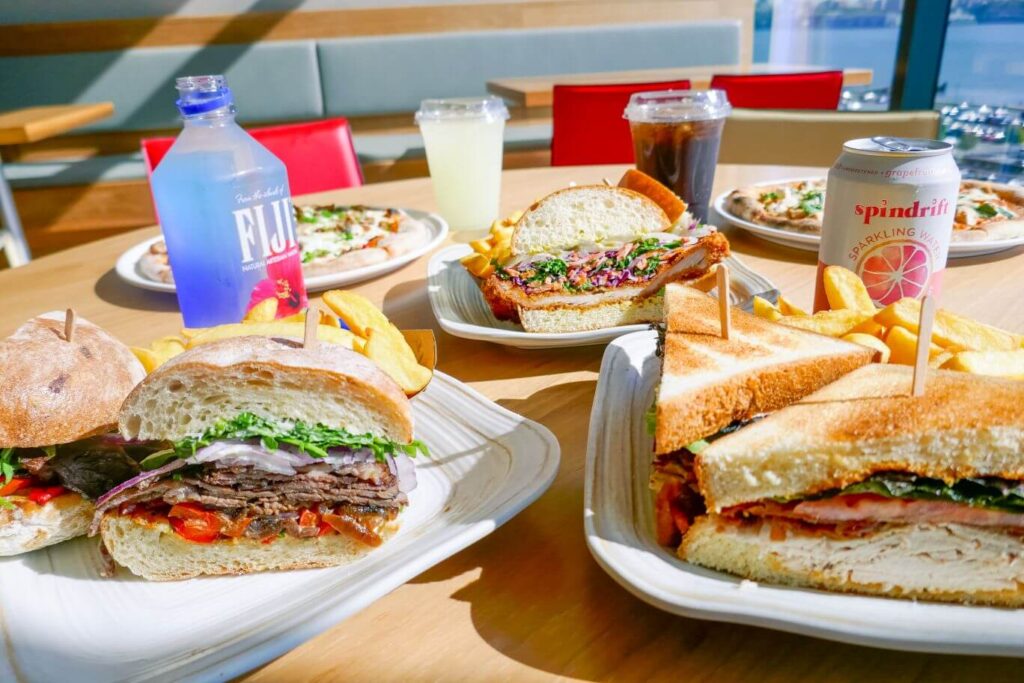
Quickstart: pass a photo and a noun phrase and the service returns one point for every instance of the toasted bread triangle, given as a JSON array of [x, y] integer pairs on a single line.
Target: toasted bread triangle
[[708, 382]]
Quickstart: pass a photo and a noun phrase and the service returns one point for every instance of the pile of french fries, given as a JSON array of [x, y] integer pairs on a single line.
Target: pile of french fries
[[369, 333], [958, 343], [495, 248]]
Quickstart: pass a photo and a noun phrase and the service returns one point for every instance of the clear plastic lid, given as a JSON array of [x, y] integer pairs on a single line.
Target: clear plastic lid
[[201, 94], [668, 106], [462, 108]]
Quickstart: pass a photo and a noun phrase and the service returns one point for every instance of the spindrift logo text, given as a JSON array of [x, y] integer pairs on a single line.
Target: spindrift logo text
[[938, 207]]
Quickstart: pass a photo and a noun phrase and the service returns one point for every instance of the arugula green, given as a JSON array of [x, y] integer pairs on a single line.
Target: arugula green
[[315, 253], [770, 197], [314, 440], [982, 492], [812, 202], [8, 464], [986, 210]]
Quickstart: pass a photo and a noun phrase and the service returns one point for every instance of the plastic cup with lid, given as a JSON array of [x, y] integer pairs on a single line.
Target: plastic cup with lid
[[676, 135], [464, 139]]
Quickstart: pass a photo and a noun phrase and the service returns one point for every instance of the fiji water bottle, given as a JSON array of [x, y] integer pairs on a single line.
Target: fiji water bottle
[[226, 213]]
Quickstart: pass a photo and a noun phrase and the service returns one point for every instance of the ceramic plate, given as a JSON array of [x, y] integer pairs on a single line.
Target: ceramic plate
[[619, 524], [127, 267], [461, 310], [810, 241], [60, 621]]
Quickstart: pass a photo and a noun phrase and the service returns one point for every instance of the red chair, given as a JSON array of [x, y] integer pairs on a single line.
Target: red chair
[[318, 155], [588, 123], [819, 90]]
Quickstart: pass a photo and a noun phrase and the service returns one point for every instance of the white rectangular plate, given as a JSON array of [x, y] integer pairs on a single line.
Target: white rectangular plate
[[461, 310], [60, 621], [619, 524]]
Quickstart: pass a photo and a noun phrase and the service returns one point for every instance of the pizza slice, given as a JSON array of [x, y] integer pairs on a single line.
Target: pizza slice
[[795, 206], [988, 211]]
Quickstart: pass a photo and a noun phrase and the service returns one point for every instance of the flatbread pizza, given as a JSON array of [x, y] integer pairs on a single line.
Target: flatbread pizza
[[984, 211], [332, 239]]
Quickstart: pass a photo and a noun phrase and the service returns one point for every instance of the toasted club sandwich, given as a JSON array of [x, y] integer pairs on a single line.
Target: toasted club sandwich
[[277, 457], [711, 386], [590, 257], [862, 487], [59, 407]]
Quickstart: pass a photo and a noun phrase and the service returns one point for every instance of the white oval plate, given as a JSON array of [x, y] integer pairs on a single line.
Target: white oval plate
[[461, 310], [619, 525], [127, 267], [810, 241], [60, 621]]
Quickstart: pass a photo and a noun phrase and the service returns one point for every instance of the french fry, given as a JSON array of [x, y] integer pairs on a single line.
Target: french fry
[[168, 347], [872, 342], [189, 332], [288, 330], [788, 308], [150, 361], [478, 264], [357, 311], [830, 323], [845, 289], [903, 346], [482, 246], [394, 355], [766, 309], [951, 331], [998, 363], [300, 317], [870, 326], [263, 312], [940, 359]]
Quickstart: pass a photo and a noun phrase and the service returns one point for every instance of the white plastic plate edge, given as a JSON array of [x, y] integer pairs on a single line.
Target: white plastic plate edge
[[461, 311], [618, 522], [810, 241], [127, 264], [531, 467]]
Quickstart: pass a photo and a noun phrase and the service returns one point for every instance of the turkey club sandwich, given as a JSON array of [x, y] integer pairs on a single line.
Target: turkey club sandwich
[[590, 257], [277, 457], [712, 386], [862, 487], [60, 398]]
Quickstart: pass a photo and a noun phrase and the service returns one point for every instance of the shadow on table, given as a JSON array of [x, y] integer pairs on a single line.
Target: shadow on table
[[564, 615], [114, 290], [408, 307]]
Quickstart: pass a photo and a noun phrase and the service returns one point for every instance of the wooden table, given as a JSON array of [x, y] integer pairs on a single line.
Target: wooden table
[[528, 602], [30, 125], [536, 91]]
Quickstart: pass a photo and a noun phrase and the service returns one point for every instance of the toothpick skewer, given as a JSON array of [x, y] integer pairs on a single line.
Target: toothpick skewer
[[607, 182], [312, 322], [924, 342], [724, 312], [69, 324]]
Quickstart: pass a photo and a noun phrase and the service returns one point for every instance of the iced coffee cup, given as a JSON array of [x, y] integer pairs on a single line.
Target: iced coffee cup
[[676, 134], [463, 139]]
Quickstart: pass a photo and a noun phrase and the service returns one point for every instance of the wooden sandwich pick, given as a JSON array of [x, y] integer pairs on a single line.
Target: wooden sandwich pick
[[724, 311], [69, 324], [312, 323], [924, 342]]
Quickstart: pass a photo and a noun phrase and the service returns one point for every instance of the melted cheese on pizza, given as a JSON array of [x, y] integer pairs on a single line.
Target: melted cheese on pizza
[[326, 232], [977, 205], [796, 200]]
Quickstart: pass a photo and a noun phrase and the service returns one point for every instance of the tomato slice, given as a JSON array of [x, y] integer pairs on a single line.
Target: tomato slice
[[14, 485], [309, 518], [193, 523], [42, 496]]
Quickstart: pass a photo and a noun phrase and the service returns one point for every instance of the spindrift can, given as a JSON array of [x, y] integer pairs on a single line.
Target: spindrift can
[[889, 208]]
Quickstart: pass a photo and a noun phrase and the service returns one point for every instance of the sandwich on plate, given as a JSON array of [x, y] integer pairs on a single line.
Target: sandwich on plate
[[275, 456], [711, 386], [60, 402], [595, 256], [862, 487]]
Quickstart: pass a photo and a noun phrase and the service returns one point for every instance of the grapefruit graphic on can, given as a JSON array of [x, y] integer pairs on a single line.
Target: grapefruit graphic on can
[[889, 208]]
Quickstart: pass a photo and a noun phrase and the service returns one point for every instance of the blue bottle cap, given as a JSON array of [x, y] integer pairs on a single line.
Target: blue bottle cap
[[201, 94]]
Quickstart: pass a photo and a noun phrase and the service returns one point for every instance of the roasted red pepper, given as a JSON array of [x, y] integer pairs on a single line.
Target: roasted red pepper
[[193, 523], [14, 485], [43, 495]]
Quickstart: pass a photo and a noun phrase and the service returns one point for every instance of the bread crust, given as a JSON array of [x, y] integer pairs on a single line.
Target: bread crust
[[266, 365], [152, 550], [867, 422], [55, 391], [771, 366], [898, 561], [30, 526]]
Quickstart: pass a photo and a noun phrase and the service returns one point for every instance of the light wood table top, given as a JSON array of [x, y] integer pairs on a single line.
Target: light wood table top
[[536, 91], [38, 123], [528, 602]]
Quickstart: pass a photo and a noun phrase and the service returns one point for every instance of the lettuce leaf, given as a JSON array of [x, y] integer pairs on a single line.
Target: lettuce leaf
[[984, 492]]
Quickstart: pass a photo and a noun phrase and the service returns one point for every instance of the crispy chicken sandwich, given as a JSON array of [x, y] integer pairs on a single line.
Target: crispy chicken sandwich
[[60, 402], [590, 257], [276, 456]]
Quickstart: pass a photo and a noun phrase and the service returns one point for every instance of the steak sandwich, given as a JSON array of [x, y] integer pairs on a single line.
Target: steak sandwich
[[591, 257], [712, 386], [57, 454], [862, 487], [276, 457]]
